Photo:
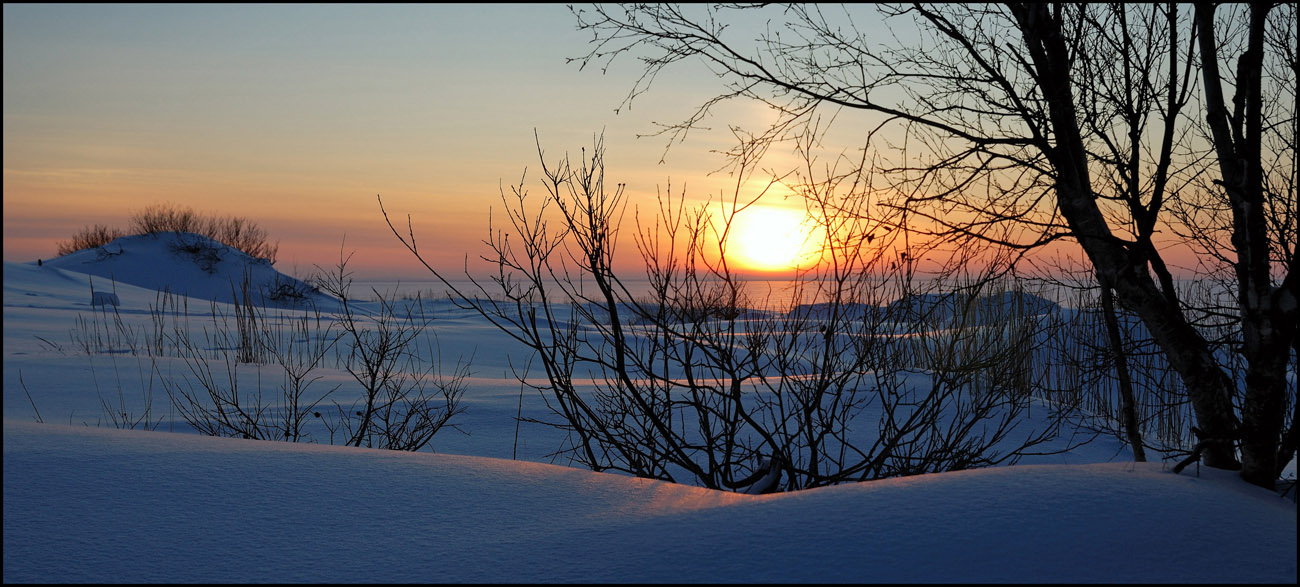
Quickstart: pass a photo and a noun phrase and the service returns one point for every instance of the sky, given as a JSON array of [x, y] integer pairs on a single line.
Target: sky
[[298, 116], [85, 502]]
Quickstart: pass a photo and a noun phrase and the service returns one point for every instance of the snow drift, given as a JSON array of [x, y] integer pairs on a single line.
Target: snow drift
[[195, 266], [91, 504]]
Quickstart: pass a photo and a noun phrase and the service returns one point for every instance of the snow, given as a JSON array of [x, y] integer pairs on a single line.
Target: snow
[[86, 502], [196, 266]]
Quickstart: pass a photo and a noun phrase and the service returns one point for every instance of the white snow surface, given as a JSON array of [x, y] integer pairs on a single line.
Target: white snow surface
[[85, 502], [95, 504], [186, 264]]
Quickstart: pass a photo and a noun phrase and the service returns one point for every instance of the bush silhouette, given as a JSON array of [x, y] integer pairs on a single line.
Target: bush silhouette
[[234, 231], [88, 237]]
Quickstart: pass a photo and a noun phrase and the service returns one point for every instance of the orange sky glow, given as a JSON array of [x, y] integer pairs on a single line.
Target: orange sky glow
[[297, 116]]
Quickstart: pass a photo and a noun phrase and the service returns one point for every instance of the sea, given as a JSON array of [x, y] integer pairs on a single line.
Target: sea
[[758, 293], [766, 294]]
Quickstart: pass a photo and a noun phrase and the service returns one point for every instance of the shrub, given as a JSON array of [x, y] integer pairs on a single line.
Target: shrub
[[88, 237], [233, 231], [244, 235], [689, 386], [167, 218], [204, 253]]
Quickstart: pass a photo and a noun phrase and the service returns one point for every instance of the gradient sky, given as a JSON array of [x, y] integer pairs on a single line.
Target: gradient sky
[[297, 116]]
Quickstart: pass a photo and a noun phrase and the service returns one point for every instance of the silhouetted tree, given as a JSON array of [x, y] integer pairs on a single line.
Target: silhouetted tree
[[1025, 124], [690, 383]]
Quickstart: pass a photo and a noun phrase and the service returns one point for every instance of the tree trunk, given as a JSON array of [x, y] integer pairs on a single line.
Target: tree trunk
[[1268, 314], [1131, 427], [1208, 387]]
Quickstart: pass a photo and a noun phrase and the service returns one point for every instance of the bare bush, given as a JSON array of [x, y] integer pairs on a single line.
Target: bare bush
[[205, 254], [690, 385], [88, 237], [233, 231], [168, 218], [405, 400], [244, 235], [214, 396], [406, 396]]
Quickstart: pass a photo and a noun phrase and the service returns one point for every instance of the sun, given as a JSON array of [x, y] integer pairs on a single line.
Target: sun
[[770, 238]]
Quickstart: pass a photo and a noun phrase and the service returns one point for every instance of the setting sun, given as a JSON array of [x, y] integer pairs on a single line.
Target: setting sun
[[768, 238]]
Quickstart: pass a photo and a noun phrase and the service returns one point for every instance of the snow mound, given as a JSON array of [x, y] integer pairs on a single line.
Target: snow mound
[[190, 265], [95, 504]]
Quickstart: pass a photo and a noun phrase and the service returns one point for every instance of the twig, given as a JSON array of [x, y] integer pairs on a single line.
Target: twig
[[29, 397]]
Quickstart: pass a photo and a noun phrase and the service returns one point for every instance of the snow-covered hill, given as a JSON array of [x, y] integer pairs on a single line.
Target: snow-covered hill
[[189, 265]]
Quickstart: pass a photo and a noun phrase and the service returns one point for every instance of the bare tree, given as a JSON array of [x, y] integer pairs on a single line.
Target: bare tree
[[690, 383], [1039, 123], [406, 396]]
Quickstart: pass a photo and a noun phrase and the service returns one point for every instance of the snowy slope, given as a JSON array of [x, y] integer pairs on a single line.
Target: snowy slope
[[87, 503], [93, 504], [186, 264]]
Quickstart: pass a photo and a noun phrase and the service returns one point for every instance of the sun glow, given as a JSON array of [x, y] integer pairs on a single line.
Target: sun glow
[[769, 238]]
